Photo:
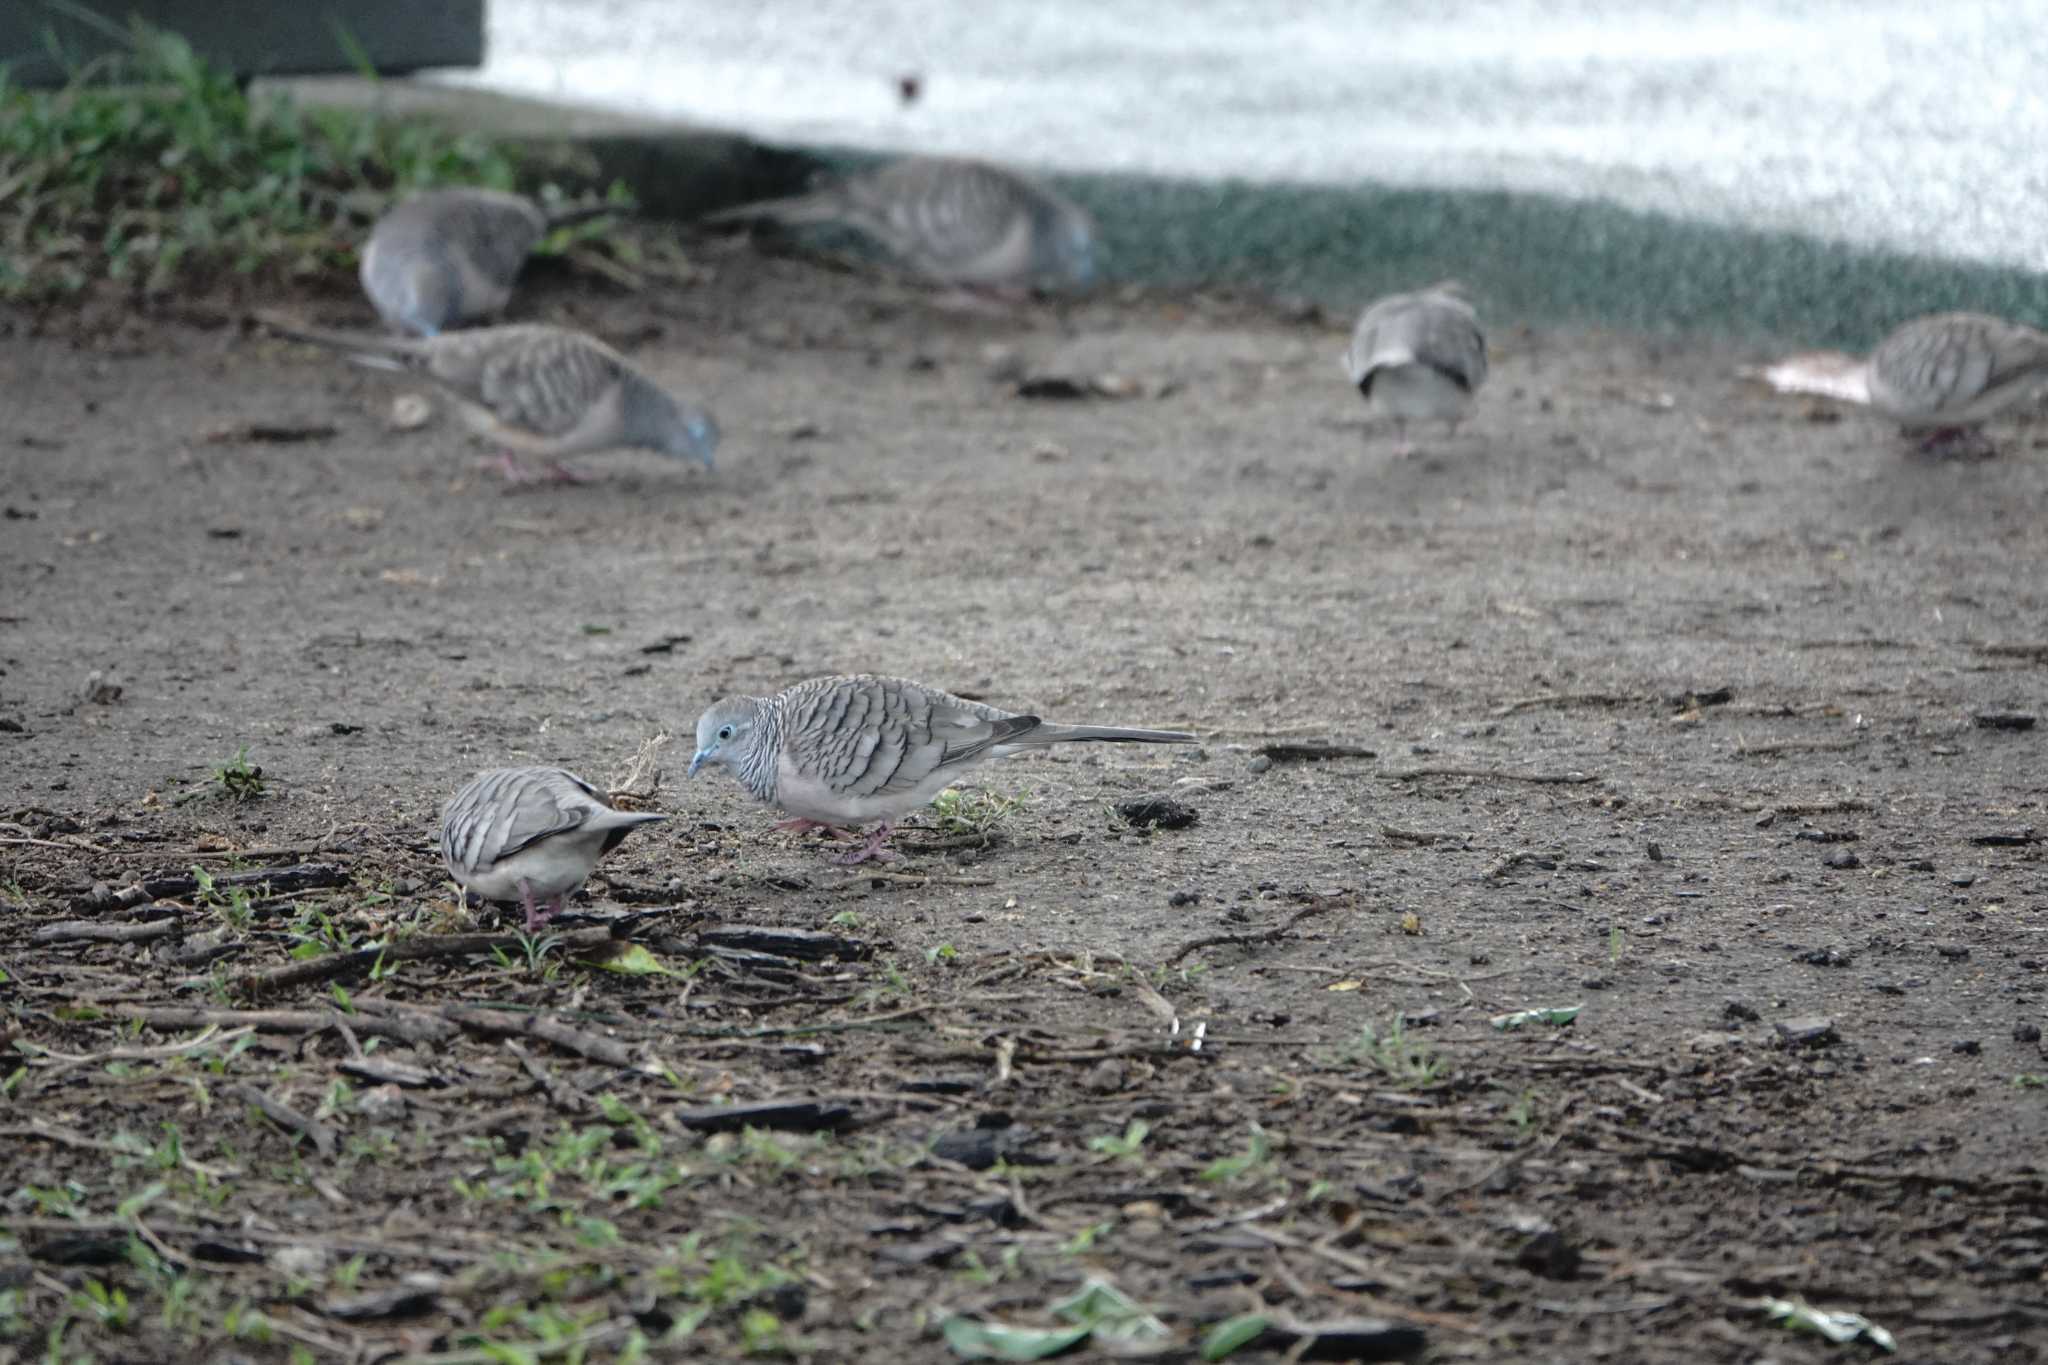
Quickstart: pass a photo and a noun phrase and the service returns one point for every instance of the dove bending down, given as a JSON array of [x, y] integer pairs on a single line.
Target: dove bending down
[[531, 836], [959, 222], [838, 752], [1418, 355], [1946, 373], [441, 258], [546, 391]]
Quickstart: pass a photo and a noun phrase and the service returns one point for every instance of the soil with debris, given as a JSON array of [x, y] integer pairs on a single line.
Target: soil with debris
[[1704, 710]]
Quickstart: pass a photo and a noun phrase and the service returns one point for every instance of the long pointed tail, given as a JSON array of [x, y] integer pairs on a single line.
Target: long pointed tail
[[1108, 734], [819, 206], [389, 353], [626, 819]]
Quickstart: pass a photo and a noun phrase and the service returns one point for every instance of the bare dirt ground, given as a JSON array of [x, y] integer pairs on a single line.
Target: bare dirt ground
[[1686, 704]]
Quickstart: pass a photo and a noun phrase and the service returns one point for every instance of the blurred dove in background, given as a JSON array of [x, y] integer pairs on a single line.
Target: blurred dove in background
[[959, 222], [441, 258], [530, 836], [545, 391], [1944, 374], [1418, 355]]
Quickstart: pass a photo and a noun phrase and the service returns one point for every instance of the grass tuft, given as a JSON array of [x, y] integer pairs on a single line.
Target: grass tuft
[[153, 168]]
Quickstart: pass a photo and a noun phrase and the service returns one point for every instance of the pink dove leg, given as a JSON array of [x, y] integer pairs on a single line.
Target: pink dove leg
[[872, 850]]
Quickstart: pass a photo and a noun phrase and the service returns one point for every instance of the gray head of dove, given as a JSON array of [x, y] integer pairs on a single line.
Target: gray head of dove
[[738, 734], [419, 292], [659, 421]]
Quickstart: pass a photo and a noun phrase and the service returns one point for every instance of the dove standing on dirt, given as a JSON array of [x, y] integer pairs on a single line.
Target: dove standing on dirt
[[547, 391], [531, 835], [440, 258], [1948, 372], [959, 222], [838, 752], [1418, 355]]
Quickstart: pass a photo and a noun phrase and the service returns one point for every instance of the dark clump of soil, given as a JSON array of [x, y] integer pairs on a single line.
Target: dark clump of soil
[[1642, 693]]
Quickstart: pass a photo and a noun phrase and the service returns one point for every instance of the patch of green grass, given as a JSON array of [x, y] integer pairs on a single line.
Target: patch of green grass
[[974, 815], [239, 779], [1252, 1160], [154, 168], [1128, 1146], [231, 904], [1397, 1058]]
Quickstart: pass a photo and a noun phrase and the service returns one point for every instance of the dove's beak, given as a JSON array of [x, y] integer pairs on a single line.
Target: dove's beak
[[698, 761]]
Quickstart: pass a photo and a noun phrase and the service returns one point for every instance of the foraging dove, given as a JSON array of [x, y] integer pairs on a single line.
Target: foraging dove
[[959, 222], [544, 390], [530, 835], [1418, 355], [836, 752], [440, 258], [1951, 371]]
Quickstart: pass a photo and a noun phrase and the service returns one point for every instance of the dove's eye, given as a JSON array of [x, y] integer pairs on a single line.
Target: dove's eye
[[725, 732]]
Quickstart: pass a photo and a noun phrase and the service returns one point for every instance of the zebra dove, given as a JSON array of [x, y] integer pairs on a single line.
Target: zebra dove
[[836, 752], [1947, 372], [1418, 355], [547, 391], [958, 222], [530, 835], [440, 258]]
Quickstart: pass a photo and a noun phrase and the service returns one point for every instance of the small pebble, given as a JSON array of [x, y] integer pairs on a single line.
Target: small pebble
[[1810, 1030], [1259, 764]]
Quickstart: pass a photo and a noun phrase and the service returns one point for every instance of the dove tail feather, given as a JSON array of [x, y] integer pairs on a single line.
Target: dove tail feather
[[1108, 734], [798, 210], [381, 352]]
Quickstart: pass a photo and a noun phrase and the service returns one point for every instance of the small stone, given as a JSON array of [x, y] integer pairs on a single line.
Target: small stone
[[1739, 1012], [382, 1103], [1259, 764], [300, 1262], [1920, 865], [1963, 879], [1593, 983], [1180, 898], [1655, 852], [411, 411], [1967, 1047], [1842, 861], [1825, 957], [2026, 1033], [1479, 959], [1954, 952], [99, 689], [1807, 1030]]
